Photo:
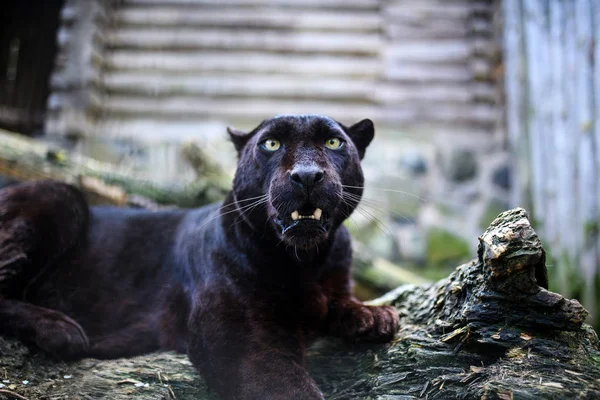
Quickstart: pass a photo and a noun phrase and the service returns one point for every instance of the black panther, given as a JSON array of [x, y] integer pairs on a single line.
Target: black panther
[[241, 287]]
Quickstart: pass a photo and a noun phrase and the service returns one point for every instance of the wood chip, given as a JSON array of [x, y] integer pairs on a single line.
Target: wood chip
[[526, 336], [573, 372], [125, 381], [553, 384]]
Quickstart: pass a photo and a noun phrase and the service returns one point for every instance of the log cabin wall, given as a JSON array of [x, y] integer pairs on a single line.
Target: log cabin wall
[[165, 63], [553, 100]]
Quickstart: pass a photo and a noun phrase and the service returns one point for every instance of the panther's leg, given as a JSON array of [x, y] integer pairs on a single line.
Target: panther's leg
[[50, 330], [247, 356], [347, 316], [39, 222]]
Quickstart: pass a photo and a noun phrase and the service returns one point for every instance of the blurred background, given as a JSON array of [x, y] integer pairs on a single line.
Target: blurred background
[[479, 106]]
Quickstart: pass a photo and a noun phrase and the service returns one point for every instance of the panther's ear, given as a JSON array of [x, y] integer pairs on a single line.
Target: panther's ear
[[239, 138], [361, 134]]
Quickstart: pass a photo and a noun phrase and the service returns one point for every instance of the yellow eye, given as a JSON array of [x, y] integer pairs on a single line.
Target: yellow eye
[[271, 144], [333, 143]]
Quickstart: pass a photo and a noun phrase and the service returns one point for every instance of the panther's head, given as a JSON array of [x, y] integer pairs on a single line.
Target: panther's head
[[304, 171]]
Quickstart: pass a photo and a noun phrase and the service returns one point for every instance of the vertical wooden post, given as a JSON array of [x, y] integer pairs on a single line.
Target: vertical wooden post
[[558, 57], [76, 93], [516, 97]]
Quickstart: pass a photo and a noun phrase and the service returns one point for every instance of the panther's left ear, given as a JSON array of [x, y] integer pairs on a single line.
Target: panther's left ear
[[361, 134], [239, 138]]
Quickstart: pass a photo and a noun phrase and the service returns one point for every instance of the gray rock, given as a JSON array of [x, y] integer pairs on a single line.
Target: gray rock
[[414, 162], [460, 165], [502, 177]]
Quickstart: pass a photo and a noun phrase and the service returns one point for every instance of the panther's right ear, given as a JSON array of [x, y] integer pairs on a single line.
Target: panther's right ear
[[239, 138]]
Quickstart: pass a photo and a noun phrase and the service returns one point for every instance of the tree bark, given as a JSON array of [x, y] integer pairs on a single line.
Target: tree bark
[[488, 331]]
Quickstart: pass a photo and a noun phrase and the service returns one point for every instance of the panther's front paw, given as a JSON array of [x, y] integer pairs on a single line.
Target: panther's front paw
[[60, 335], [355, 320]]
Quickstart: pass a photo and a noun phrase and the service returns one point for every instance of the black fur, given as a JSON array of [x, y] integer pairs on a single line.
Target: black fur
[[240, 287]]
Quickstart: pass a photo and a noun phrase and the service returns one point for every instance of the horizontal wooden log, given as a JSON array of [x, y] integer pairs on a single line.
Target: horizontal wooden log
[[488, 331], [182, 107], [232, 39], [198, 63], [239, 85], [430, 51], [252, 18], [343, 4]]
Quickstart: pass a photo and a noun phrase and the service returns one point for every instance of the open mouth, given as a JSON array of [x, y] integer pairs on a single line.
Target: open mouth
[[303, 218], [316, 215]]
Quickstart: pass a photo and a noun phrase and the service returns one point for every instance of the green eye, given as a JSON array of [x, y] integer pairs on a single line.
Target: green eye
[[333, 143], [271, 144]]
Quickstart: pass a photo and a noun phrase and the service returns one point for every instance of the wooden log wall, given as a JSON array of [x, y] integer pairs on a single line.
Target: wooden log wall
[[553, 99], [427, 63]]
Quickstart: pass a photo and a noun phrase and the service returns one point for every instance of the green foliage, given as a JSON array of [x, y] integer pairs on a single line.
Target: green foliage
[[445, 249], [566, 278], [591, 228]]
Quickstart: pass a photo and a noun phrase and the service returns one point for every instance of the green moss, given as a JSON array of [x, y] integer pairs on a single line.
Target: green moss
[[445, 210], [563, 276], [591, 228], [596, 360], [445, 249]]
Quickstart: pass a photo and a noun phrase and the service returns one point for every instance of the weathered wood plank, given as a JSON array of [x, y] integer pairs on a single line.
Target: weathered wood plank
[[253, 18], [430, 51], [514, 75], [560, 103], [570, 83], [537, 60], [596, 55], [344, 4], [421, 73], [281, 86], [564, 246], [189, 38], [588, 174], [389, 92], [398, 30], [239, 61], [238, 85], [123, 106], [429, 9], [477, 115]]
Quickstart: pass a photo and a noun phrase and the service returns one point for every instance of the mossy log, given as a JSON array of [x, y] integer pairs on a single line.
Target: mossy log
[[24, 159], [488, 331]]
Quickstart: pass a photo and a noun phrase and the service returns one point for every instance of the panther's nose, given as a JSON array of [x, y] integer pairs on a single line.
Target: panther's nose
[[307, 177]]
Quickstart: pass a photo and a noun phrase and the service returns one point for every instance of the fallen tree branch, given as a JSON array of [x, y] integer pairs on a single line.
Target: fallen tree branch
[[24, 159], [488, 331]]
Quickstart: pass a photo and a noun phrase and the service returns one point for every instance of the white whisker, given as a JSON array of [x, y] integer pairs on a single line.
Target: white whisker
[[387, 190]]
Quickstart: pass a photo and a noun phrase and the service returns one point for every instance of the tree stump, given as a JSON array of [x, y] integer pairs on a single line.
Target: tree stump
[[490, 330]]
